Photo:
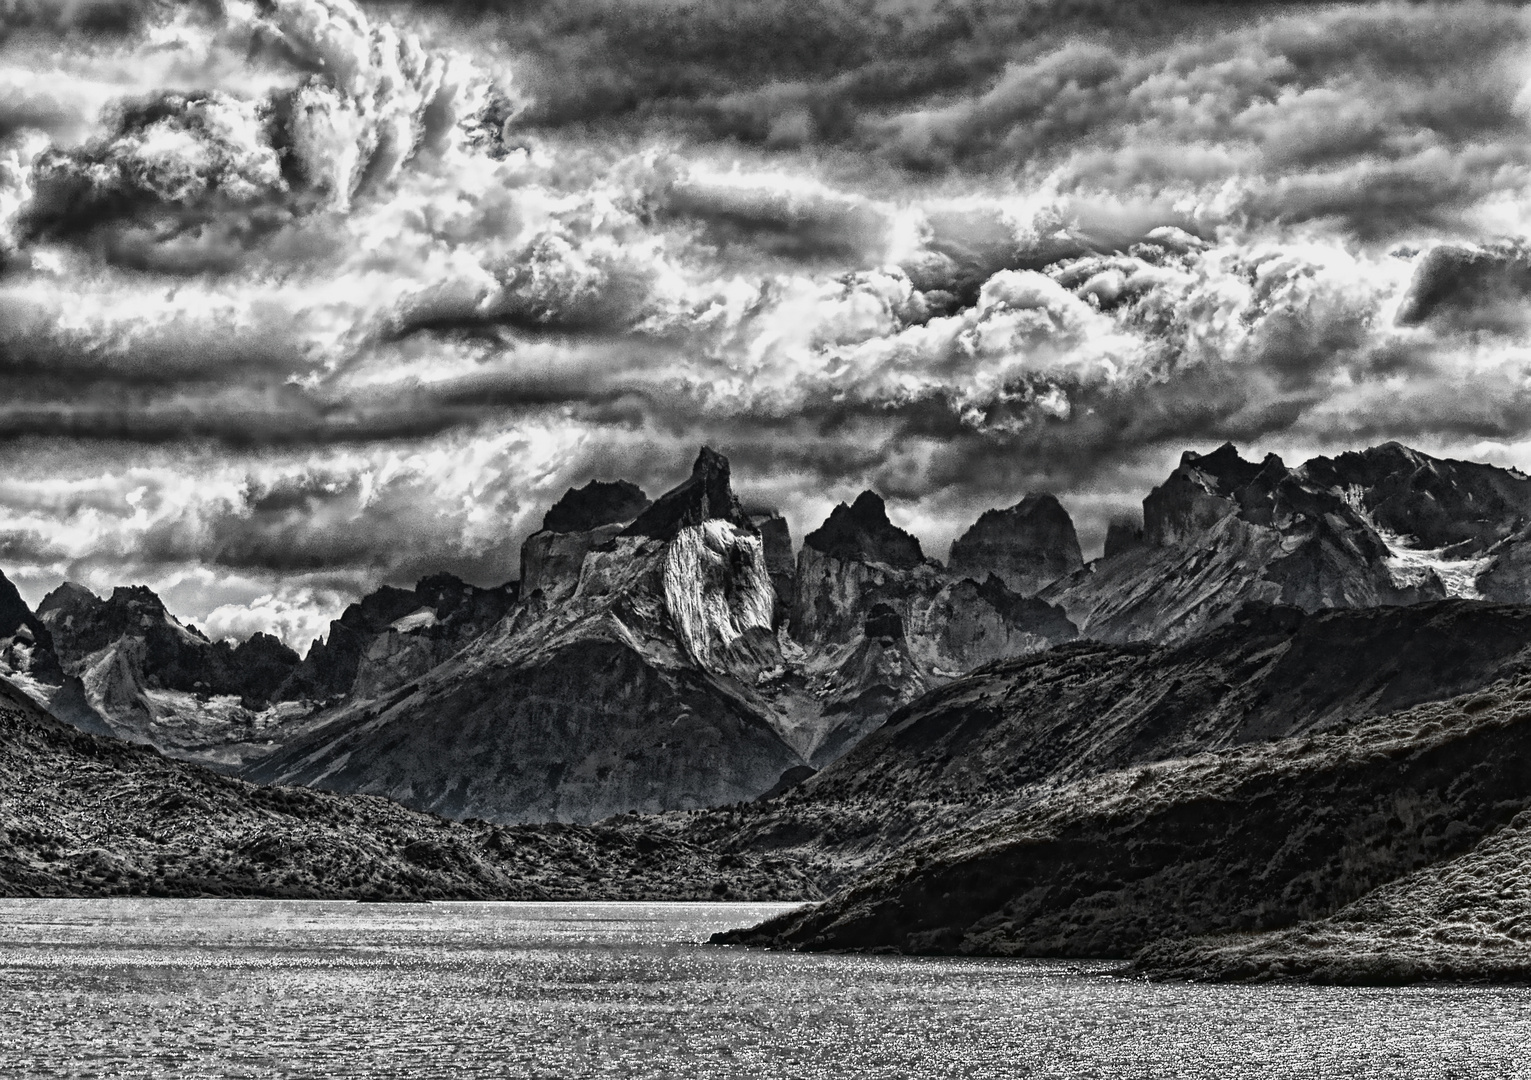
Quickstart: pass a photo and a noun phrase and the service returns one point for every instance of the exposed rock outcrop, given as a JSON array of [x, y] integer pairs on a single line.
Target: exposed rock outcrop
[[1459, 508], [781, 561], [133, 670], [636, 692], [1028, 547], [1222, 531], [597, 503], [858, 559], [1122, 535], [26, 645], [861, 532], [394, 635], [582, 520], [706, 496]]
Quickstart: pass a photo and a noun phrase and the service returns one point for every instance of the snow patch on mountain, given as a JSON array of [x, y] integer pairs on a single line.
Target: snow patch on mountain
[[1411, 565]]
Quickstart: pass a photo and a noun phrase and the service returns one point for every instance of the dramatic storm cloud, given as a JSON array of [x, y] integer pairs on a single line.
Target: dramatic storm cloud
[[298, 297]]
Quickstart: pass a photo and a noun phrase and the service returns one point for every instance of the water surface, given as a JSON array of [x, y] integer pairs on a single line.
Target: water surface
[[155, 988]]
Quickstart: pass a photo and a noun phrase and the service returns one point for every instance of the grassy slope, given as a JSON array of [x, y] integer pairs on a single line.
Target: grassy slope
[[1464, 919], [1249, 839], [978, 747], [84, 815]]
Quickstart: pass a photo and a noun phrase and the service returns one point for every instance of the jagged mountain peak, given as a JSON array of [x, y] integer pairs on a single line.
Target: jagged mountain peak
[[1029, 545], [600, 502], [71, 595], [705, 495], [1224, 471], [26, 646], [861, 532], [1436, 503], [14, 612]]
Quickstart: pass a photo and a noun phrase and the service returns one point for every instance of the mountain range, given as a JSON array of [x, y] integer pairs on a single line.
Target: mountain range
[[1323, 656], [677, 653]]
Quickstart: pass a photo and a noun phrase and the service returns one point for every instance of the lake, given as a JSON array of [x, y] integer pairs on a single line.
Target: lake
[[141, 988]]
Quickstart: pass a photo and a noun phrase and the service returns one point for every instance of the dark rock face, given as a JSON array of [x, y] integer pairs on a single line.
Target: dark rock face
[[1028, 546], [130, 668], [1206, 488], [26, 645], [1222, 531], [583, 520], [597, 503], [862, 532], [884, 622], [393, 635], [706, 496], [1122, 535], [1462, 506], [781, 563], [1242, 841], [167, 655]]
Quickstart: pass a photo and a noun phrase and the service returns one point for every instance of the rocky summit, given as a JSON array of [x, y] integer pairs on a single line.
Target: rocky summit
[[1386, 526], [1028, 547]]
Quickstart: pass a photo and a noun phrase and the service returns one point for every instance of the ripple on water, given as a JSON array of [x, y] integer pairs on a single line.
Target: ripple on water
[[153, 988]]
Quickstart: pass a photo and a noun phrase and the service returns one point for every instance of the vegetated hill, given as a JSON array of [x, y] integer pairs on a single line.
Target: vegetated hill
[[981, 744], [1249, 839], [1466, 919], [85, 815]]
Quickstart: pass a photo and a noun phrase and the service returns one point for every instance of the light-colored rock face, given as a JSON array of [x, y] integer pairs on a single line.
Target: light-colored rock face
[[395, 658], [716, 588], [834, 595]]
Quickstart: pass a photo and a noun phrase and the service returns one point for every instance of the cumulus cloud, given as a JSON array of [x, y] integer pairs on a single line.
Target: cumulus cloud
[[297, 296]]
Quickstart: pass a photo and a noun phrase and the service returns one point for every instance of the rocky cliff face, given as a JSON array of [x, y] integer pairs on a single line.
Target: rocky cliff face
[[781, 561], [583, 520], [635, 692], [133, 670], [859, 559], [395, 635], [684, 606], [1028, 547], [26, 645], [1221, 531]]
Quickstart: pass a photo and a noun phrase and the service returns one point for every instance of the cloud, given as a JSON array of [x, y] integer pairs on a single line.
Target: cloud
[[1469, 288], [306, 296]]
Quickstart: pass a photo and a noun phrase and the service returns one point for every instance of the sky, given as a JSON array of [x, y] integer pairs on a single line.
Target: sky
[[301, 297]]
